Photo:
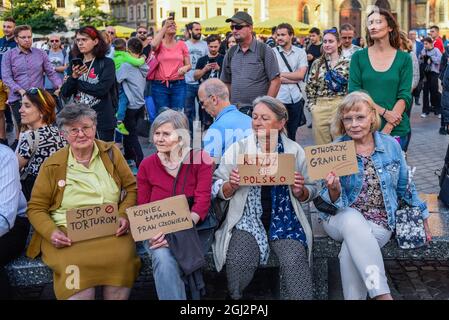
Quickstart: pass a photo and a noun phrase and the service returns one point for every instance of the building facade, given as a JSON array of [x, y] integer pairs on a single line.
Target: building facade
[[410, 14]]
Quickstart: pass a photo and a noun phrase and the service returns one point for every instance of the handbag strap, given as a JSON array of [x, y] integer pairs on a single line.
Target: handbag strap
[[185, 176], [287, 64]]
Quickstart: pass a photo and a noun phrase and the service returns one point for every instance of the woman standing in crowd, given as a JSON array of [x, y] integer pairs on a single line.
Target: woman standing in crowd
[[87, 172], [168, 87], [325, 91], [267, 217], [41, 139], [366, 201], [228, 42], [92, 80], [386, 73], [175, 169]]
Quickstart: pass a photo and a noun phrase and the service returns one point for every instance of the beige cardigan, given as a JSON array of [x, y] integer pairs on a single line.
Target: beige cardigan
[[238, 200]]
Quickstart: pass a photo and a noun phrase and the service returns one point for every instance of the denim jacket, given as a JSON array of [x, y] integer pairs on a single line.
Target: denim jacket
[[392, 170]]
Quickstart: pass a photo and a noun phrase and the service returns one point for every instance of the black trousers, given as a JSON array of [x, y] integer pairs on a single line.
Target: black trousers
[[295, 114], [131, 145], [431, 87], [12, 245], [106, 135]]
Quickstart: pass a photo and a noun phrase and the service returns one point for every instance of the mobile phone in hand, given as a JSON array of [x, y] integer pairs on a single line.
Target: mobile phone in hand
[[77, 62], [171, 15]]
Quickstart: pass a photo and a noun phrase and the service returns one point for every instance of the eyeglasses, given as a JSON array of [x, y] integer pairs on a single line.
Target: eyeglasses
[[238, 26], [350, 120], [73, 132], [111, 32], [35, 91], [142, 32], [54, 41]]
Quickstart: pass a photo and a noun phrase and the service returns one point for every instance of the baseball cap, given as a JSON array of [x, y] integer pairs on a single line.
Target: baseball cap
[[241, 17]]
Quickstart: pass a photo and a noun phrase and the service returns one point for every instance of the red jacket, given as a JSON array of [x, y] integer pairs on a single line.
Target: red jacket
[[155, 183], [438, 43]]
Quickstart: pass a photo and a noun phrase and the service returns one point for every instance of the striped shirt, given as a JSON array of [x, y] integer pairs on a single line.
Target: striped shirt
[[249, 76], [12, 201]]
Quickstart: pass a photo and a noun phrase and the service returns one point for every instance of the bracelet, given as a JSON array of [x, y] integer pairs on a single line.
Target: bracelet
[[385, 110]]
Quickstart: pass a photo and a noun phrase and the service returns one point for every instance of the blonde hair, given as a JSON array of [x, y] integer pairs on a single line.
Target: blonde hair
[[405, 42], [349, 103]]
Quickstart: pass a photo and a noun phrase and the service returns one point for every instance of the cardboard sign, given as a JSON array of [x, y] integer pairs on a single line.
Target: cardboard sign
[[166, 216], [92, 222], [337, 157], [266, 169]]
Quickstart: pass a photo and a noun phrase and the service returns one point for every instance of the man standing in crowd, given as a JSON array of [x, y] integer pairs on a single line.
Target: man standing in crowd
[[208, 67], [250, 68], [59, 60], [229, 126], [112, 35], [6, 43], [347, 33], [313, 49], [417, 47], [431, 59], [293, 67], [437, 41], [23, 68], [197, 49], [142, 34]]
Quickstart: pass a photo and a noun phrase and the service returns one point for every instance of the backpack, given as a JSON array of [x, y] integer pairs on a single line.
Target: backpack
[[114, 91], [260, 47], [152, 63]]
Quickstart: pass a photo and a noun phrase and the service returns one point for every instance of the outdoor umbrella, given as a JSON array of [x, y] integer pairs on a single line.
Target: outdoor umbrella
[[264, 28]]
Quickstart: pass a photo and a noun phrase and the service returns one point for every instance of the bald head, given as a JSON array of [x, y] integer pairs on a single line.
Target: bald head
[[214, 96]]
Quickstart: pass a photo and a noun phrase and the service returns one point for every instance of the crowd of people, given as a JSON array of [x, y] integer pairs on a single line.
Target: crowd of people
[[74, 110]]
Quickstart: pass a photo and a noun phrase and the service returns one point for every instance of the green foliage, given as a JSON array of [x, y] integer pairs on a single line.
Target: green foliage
[[90, 14], [39, 14]]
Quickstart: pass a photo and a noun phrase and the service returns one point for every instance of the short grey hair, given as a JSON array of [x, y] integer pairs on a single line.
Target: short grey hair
[[74, 112], [216, 87], [176, 118], [276, 106]]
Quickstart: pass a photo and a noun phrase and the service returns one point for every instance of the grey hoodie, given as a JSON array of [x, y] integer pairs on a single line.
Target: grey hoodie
[[133, 80], [435, 56]]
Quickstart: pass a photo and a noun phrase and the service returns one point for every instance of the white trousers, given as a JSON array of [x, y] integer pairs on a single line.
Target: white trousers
[[361, 263]]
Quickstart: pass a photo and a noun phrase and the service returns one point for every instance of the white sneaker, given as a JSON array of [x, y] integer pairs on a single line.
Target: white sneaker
[[439, 116], [423, 115]]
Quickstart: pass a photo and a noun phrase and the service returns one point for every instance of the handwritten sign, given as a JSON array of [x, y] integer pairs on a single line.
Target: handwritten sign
[[266, 169], [166, 216], [337, 157], [92, 222]]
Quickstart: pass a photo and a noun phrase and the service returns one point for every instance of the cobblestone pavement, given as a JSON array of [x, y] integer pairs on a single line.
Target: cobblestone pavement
[[407, 279]]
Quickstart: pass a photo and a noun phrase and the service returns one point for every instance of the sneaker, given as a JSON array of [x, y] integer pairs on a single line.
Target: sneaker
[[122, 129], [417, 102], [423, 115], [310, 125], [439, 116], [443, 131]]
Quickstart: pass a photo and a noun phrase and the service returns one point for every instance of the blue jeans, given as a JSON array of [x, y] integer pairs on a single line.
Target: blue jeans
[[189, 106], [166, 274], [172, 97], [122, 104]]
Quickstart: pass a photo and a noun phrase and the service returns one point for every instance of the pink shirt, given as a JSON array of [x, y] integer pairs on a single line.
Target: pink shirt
[[170, 60], [154, 183]]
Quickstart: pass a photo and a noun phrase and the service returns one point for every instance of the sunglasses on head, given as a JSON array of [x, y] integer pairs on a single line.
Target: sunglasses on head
[[238, 26], [330, 31], [34, 91]]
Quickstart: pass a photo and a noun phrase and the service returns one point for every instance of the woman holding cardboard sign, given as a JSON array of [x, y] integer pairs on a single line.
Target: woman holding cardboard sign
[[261, 218], [366, 203], [88, 172], [176, 169]]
